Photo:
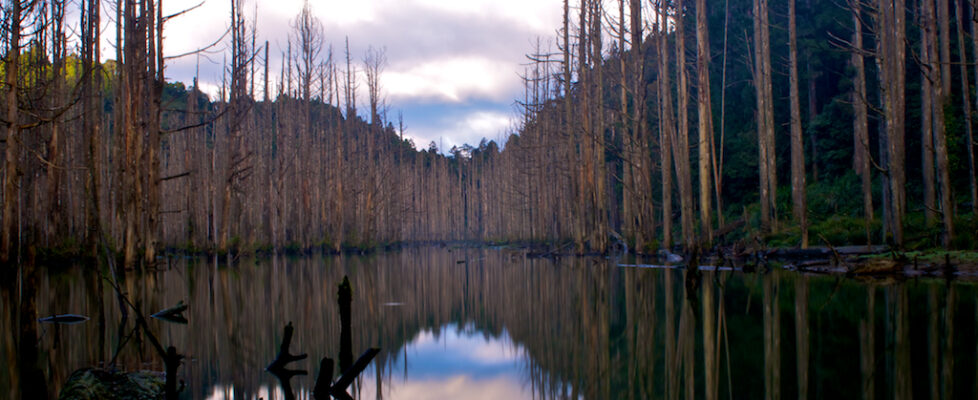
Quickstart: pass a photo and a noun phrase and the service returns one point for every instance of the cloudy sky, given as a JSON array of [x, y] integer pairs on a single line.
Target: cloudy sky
[[452, 64]]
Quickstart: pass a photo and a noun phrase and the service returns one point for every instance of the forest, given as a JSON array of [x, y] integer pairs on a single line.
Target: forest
[[645, 126]]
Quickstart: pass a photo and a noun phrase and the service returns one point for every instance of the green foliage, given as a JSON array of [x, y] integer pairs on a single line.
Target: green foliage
[[840, 230], [841, 195]]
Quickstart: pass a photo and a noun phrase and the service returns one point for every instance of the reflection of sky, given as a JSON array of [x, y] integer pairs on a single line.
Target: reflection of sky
[[453, 363], [450, 363]]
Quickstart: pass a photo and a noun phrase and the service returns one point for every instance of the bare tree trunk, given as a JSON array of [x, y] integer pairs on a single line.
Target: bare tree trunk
[[937, 86], [960, 18], [642, 166], [10, 192], [55, 226], [667, 124], [943, 21], [705, 120], [861, 152], [930, 73], [798, 200], [765, 117], [891, 59], [91, 98], [680, 146]]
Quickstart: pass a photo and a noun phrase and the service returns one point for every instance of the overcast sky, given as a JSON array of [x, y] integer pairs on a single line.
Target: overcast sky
[[452, 64]]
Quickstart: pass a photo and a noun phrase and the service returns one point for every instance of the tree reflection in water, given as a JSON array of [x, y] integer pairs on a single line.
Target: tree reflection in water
[[565, 328]]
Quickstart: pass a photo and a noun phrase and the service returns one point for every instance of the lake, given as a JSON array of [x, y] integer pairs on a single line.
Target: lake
[[485, 323]]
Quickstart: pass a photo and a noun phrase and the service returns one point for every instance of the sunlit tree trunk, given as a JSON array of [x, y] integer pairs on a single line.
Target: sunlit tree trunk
[[680, 144]]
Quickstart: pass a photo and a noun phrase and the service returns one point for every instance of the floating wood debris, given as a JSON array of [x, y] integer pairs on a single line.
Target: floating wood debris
[[172, 314], [64, 319]]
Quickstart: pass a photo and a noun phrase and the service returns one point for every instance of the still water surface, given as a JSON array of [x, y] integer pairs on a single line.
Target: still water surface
[[470, 323]]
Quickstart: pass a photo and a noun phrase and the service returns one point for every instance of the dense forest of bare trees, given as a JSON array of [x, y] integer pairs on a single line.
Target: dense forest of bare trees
[[109, 152], [581, 104]]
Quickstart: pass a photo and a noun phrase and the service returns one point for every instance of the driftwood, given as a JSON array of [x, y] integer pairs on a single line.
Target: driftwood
[[338, 389], [279, 365], [65, 319], [324, 380], [284, 357], [172, 314], [325, 388]]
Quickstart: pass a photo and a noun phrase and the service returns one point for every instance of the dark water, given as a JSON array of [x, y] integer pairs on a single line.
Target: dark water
[[492, 324]]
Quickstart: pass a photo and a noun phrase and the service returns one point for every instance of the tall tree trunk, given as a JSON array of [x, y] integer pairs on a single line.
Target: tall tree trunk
[[960, 16], [680, 144], [937, 86], [91, 99], [861, 151], [10, 190], [55, 226], [930, 74], [891, 59], [667, 123], [705, 119], [642, 165], [943, 22], [765, 117], [799, 204]]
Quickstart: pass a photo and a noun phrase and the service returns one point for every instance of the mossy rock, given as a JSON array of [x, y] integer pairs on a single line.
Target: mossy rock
[[93, 383]]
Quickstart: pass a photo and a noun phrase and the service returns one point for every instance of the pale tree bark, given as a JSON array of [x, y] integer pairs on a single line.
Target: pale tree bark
[[891, 58], [667, 123], [765, 116], [680, 144], [936, 84], [570, 134], [861, 152], [630, 202], [642, 166], [705, 121], [598, 194], [798, 201]]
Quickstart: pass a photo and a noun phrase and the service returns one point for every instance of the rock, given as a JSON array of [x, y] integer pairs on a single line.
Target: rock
[[93, 383]]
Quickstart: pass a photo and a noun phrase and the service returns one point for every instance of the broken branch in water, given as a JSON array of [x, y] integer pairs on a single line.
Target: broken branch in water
[[284, 357], [282, 360]]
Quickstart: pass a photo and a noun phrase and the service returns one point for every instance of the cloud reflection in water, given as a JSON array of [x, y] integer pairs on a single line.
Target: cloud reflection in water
[[453, 363]]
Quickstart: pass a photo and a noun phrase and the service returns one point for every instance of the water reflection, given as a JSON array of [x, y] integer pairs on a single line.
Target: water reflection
[[452, 362], [480, 323]]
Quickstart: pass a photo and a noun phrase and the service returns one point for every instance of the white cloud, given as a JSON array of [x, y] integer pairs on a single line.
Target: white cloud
[[452, 80], [463, 53], [468, 128]]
